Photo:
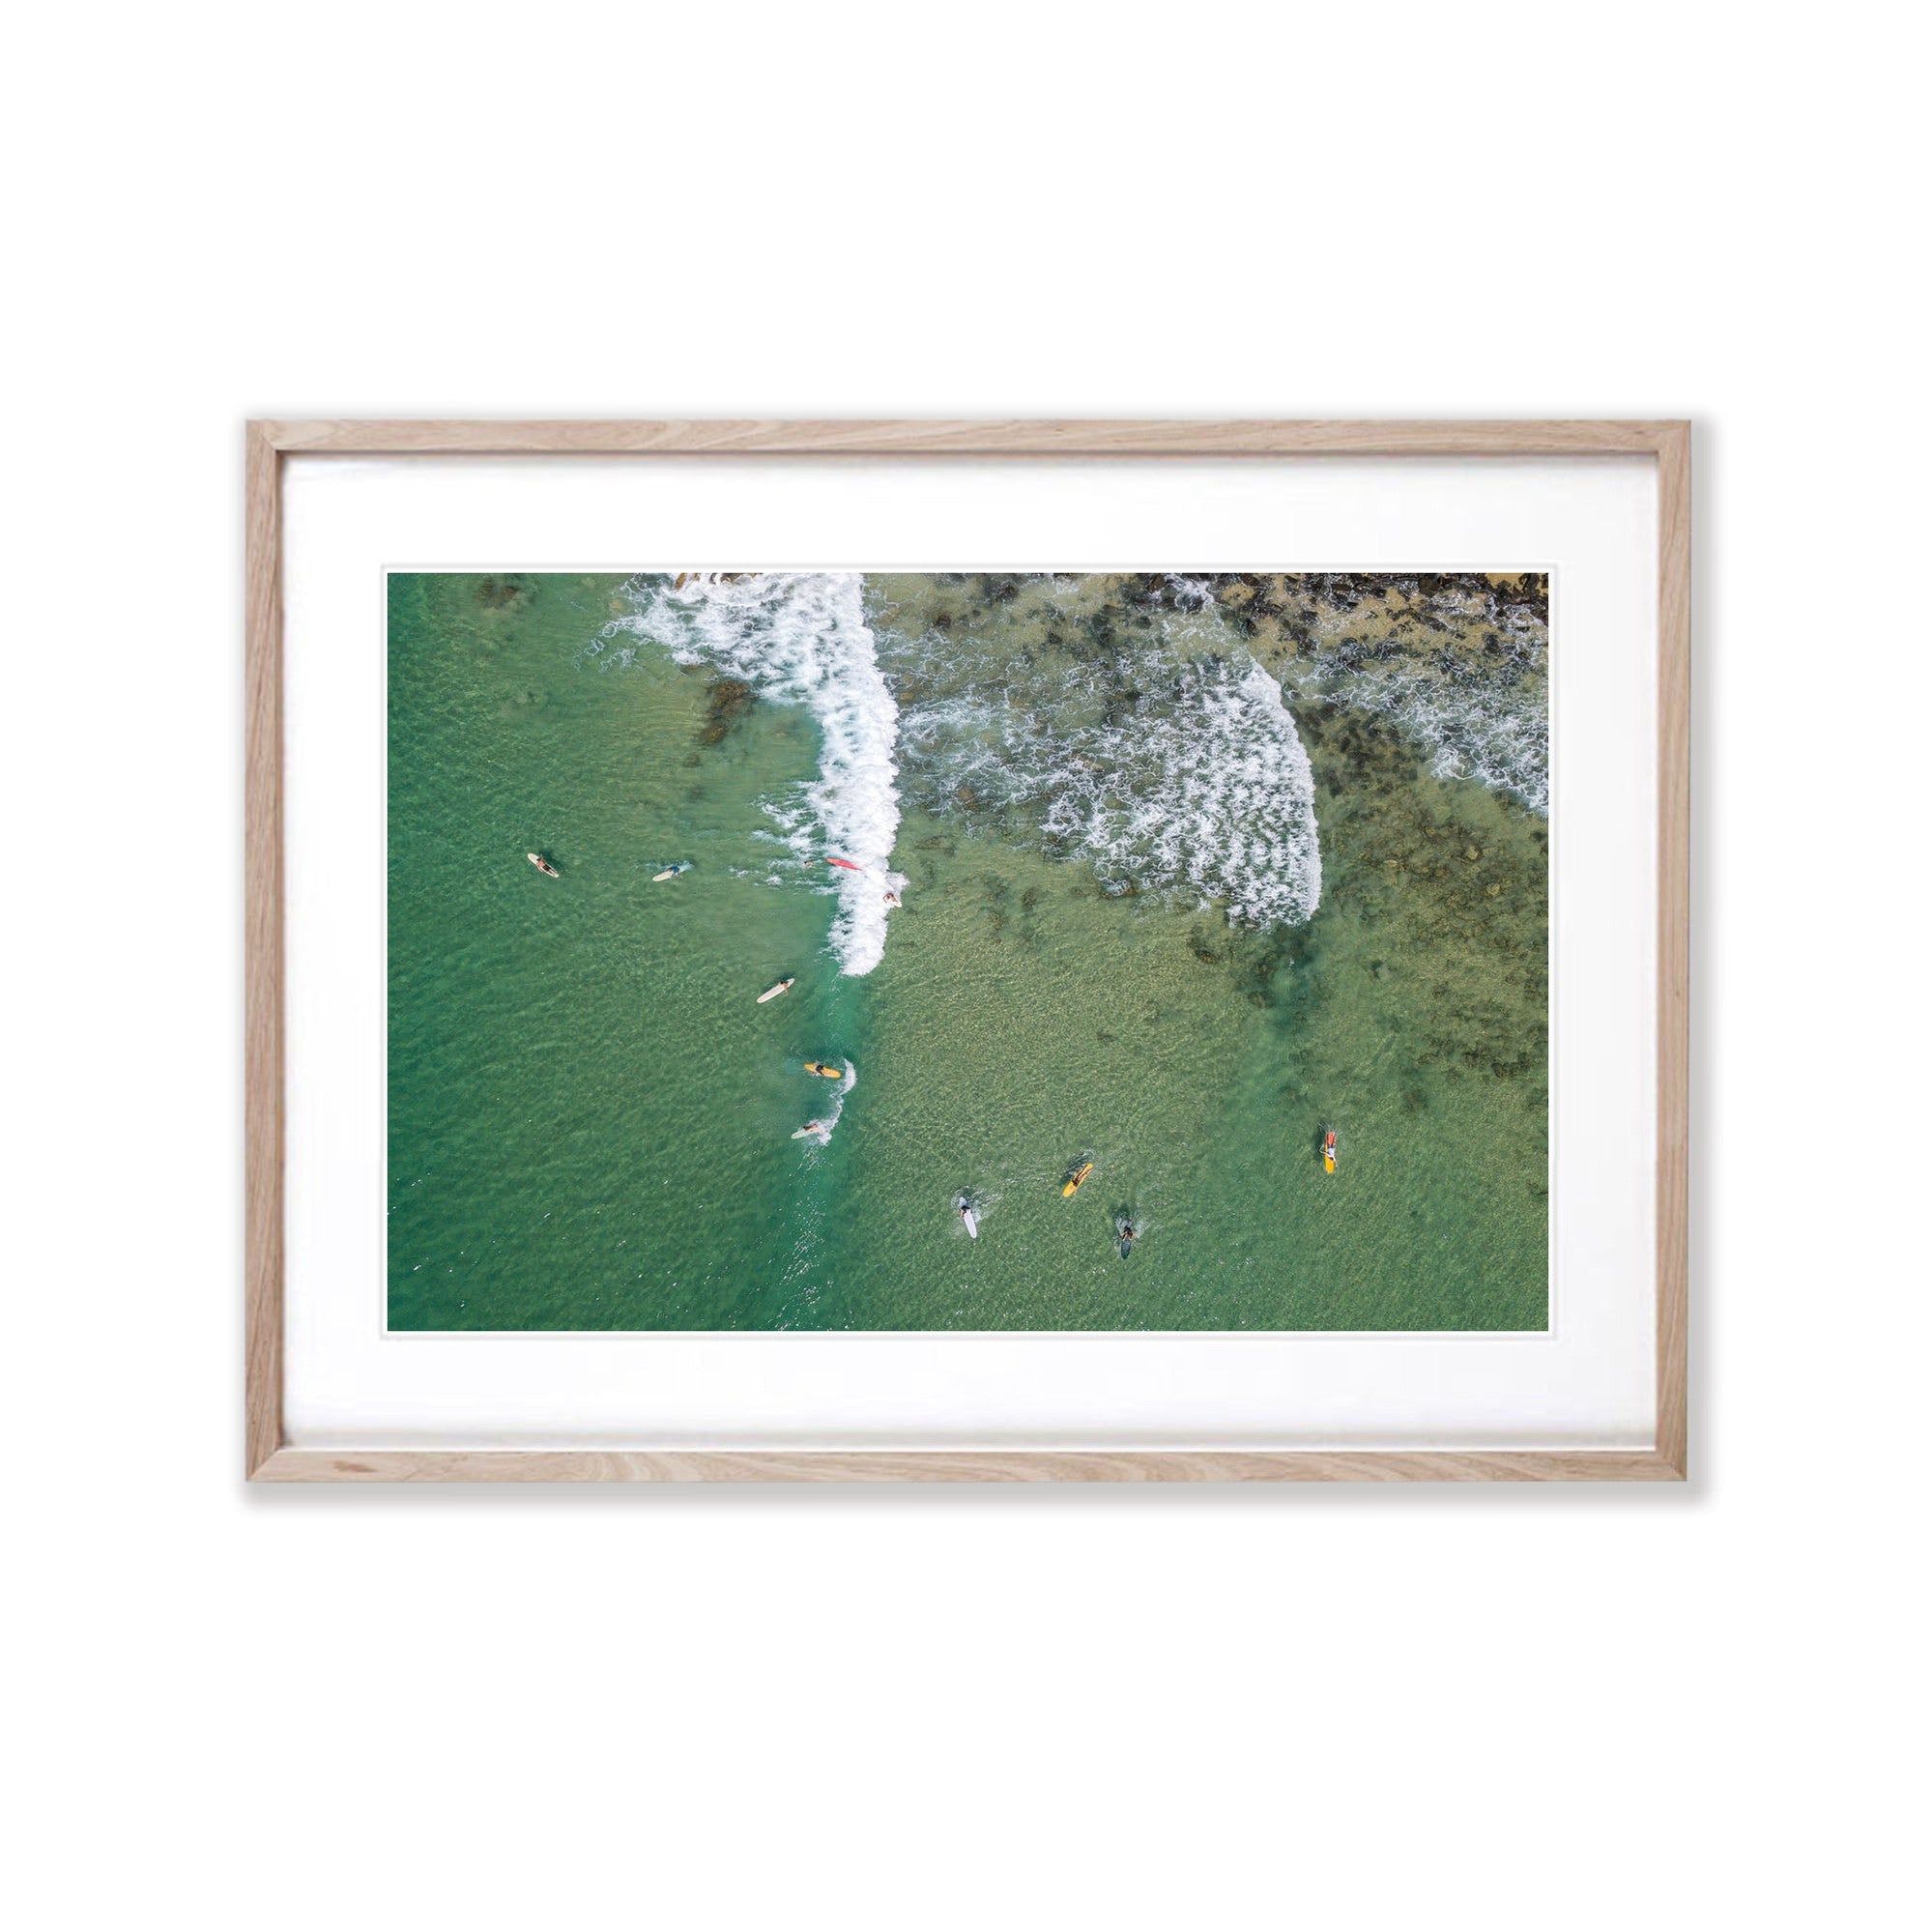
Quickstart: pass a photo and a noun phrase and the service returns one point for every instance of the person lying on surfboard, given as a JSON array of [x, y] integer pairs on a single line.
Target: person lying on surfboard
[[543, 865]]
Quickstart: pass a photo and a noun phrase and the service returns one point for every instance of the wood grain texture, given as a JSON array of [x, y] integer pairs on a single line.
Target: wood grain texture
[[1033, 439], [1673, 947], [268, 1460], [262, 868], [963, 1465]]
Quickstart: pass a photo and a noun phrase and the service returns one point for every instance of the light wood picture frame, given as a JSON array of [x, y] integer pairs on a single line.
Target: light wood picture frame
[[271, 1459]]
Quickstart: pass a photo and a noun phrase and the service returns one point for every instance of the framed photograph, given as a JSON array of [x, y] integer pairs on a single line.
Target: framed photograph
[[967, 951]]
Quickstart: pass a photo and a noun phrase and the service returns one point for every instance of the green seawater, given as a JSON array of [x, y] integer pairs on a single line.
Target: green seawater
[[590, 1118]]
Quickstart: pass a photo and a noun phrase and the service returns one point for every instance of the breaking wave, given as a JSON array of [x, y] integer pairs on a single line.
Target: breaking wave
[[1189, 779], [1470, 715], [802, 639], [1498, 738], [1171, 767], [1493, 732]]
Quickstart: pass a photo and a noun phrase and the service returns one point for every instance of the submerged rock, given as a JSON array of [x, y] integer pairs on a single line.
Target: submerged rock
[[727, 703]]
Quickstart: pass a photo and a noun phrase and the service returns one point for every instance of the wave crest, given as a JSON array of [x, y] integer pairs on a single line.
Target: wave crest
[[1192, 780], [802, 639]]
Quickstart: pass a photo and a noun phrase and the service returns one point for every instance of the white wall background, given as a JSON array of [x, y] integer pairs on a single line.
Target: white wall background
[[1331, 1708]]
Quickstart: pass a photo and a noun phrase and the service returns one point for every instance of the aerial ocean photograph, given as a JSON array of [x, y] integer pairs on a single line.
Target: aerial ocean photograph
[[772, 950]]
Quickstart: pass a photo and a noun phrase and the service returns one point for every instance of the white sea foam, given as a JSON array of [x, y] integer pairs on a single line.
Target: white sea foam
[[1498, 738], [1493, 732], [1473, 717], [800, 639], [1200, 785]]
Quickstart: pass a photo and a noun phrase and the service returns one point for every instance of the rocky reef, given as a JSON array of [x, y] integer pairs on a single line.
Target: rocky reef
[[728, 703]]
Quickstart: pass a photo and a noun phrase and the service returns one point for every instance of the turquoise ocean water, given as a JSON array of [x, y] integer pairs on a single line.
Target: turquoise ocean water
[[1191, 870]]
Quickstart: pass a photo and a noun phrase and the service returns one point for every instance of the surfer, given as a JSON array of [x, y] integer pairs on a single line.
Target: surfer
[[783, 986], [966, 1215], [1127, 1234], [543, 865], [1328, 1152]]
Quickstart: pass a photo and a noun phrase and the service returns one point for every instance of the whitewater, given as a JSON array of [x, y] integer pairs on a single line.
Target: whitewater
[[1203, 792], [1201, 788], [801, 639]]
